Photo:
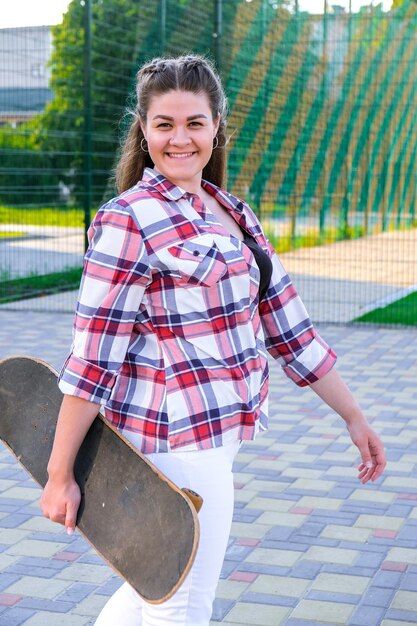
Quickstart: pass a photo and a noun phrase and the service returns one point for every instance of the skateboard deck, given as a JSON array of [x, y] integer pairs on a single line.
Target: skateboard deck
[[143, 525]]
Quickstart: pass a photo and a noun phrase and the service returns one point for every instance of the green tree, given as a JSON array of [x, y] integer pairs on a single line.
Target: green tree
[[23, 166], [116, 26]]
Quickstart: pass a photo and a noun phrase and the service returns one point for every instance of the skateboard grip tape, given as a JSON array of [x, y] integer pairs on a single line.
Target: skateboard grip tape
[[195, 498]]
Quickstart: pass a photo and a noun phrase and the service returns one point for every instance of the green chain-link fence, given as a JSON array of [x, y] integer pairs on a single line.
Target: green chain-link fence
[[322, 124]]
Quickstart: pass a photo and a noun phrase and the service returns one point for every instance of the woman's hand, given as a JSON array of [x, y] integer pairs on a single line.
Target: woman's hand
[[60, 501], [61, 496], [336, 394], [370, 448]]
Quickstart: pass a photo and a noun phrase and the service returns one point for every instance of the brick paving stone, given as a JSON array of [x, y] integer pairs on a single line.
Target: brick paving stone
[[409, 582], [347, 533], [91, 606], [25, 570], [375, 596], [390, 580], [402, 555], [347, 570], [403, 616], [39, 562], [367, 616], [264, 598], [340, 583], [110, 586], [33, 547], [7, 579], [232, 589], [220, 608], [228, 568], [370, 560], [76, 592], [67, 556], [11, 536], [332, 613], [9, 599], [306, 569], [15, 520], [16, 617], [244, 614], [53, 606], [267, 556], [280, 586], [331, 555], [373, 547], [325, 596], [258, 568], [90, 558], [83, 572], [404, 600], [31, 586]]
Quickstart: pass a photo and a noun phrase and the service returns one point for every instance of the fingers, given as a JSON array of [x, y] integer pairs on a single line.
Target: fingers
[[365, 472], [66, 517], [60, 505], [71, 518], [373, 468]]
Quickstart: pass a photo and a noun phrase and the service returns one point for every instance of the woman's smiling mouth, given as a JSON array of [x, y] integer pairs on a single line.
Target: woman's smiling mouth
[[179, 155]]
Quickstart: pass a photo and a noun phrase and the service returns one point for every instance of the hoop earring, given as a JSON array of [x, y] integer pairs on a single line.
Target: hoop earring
[[216, 139], [141, 145]]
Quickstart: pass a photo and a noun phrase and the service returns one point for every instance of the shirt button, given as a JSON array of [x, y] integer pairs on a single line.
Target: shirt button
[[196, 253]]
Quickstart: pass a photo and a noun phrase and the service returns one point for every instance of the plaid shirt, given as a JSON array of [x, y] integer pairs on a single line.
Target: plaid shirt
[[169, 334]]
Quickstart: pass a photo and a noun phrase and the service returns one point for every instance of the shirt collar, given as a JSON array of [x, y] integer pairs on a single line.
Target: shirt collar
[[163, 185], [174, 192]]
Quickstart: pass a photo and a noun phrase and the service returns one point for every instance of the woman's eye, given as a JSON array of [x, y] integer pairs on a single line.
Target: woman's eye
[[164, 125], [195, 124]]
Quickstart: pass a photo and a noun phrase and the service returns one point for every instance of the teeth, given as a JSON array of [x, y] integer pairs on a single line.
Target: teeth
[[179, 155]]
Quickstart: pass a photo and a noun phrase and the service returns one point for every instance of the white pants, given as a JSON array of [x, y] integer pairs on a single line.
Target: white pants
[[209, 472]]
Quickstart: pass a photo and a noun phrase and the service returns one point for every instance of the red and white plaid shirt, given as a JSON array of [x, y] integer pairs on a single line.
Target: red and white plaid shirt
[[169, 334]]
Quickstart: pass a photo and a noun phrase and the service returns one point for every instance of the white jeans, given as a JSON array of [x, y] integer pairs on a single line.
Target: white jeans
[[209, 472]]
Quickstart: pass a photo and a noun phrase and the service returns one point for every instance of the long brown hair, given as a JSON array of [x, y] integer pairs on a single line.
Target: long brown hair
[[192, 73]]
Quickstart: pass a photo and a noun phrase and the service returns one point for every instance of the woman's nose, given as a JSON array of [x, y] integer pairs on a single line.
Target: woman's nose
[[180, 137]]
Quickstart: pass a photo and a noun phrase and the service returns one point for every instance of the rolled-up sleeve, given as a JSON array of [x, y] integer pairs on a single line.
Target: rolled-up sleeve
[[116, 273], [290, 337]]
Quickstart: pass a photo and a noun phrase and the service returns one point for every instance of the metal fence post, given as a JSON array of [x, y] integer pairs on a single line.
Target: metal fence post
[[88, 118], [217, 34], [162, 25]]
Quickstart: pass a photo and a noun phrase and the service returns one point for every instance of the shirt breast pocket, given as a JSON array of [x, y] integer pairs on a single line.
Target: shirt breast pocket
[[199, 262]]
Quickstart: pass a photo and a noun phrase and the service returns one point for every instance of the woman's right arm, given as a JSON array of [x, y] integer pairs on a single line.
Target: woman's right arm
[[61, 496]]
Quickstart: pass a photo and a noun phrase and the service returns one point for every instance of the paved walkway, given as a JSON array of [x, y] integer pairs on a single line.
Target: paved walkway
[[309, 544]]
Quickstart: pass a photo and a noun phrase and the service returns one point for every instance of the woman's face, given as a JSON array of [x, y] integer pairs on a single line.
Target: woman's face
[[179, 130]]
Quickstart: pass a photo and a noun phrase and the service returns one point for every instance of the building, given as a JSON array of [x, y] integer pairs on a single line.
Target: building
[[24, 72]]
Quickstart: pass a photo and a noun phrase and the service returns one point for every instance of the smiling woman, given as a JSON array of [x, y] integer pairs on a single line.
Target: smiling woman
[[182, 296]]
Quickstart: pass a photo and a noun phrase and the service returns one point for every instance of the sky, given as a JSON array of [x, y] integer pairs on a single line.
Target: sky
[[31, 12], [39, 12]]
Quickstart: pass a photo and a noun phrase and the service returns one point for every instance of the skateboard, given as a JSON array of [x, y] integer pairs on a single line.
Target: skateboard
[[143, 525]]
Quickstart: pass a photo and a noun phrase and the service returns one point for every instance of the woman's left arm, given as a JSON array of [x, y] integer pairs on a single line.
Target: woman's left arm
[[336, 394]]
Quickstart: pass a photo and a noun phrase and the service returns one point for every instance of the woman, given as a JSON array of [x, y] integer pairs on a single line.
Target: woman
[[181, 298]]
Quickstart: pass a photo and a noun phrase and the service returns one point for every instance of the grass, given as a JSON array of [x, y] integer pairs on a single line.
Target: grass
[[310, 238], [35, 286], [42, 216], [403, 311], [9, 234]]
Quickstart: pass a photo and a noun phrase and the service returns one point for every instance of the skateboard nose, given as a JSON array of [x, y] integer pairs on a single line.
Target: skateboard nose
[[195, 498]]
